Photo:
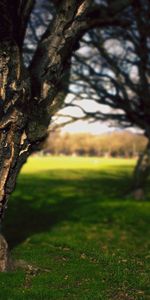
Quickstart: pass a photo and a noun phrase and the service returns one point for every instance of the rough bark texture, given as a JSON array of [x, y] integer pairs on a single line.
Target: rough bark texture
[[141, 173], [4, 256], [13, 142]]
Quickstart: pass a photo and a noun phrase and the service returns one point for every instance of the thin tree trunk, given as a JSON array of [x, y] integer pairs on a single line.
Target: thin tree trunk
[[141, 173]]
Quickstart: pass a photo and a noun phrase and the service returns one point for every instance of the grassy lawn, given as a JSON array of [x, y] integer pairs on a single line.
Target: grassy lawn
[[68, 217]]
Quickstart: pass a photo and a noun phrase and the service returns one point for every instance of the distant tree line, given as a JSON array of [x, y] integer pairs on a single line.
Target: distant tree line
[[115, 144]]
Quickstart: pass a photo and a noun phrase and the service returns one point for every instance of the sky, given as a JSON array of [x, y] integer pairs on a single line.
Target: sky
[[80, 126], [98, 127], [84, 126]]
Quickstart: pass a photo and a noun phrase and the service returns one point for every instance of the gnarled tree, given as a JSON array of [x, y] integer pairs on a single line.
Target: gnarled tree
[[29, 95]]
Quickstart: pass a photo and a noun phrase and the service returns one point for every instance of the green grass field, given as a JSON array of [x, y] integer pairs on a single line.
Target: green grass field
[[69, 218]]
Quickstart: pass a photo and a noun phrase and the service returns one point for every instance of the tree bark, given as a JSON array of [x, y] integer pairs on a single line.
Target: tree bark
[[13, 142], [14, 146], [141, 173], [4, 255]]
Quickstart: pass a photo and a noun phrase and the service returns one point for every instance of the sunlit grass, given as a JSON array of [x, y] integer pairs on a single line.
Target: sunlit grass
[[69, 216], [37, 163]]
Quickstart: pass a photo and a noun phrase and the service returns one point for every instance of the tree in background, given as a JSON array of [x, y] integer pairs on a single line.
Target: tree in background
[[86, 144], [113, 70], [30, 95]]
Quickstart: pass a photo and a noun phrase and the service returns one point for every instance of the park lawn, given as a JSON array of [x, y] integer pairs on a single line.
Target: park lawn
[[68, 216]]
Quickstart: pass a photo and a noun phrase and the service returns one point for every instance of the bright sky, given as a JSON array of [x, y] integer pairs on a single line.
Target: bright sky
[[85, 126], [81, 126]]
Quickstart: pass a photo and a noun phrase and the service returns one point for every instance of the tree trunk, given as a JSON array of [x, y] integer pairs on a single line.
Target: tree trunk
[[13, 138], [14, 145], [26, 104], [23, 122], [141, 173]]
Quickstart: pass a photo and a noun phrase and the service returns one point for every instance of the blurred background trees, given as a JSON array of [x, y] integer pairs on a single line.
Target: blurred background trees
[[116, 144], [112, 69]]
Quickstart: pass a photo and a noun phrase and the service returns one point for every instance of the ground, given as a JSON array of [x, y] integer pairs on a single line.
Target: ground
[[68, 218]]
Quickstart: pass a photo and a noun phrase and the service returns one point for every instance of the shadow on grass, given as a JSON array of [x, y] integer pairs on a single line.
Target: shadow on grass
[[44, 200]]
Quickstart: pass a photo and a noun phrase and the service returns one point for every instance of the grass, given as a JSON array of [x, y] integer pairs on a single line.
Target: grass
[[68, 216]]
